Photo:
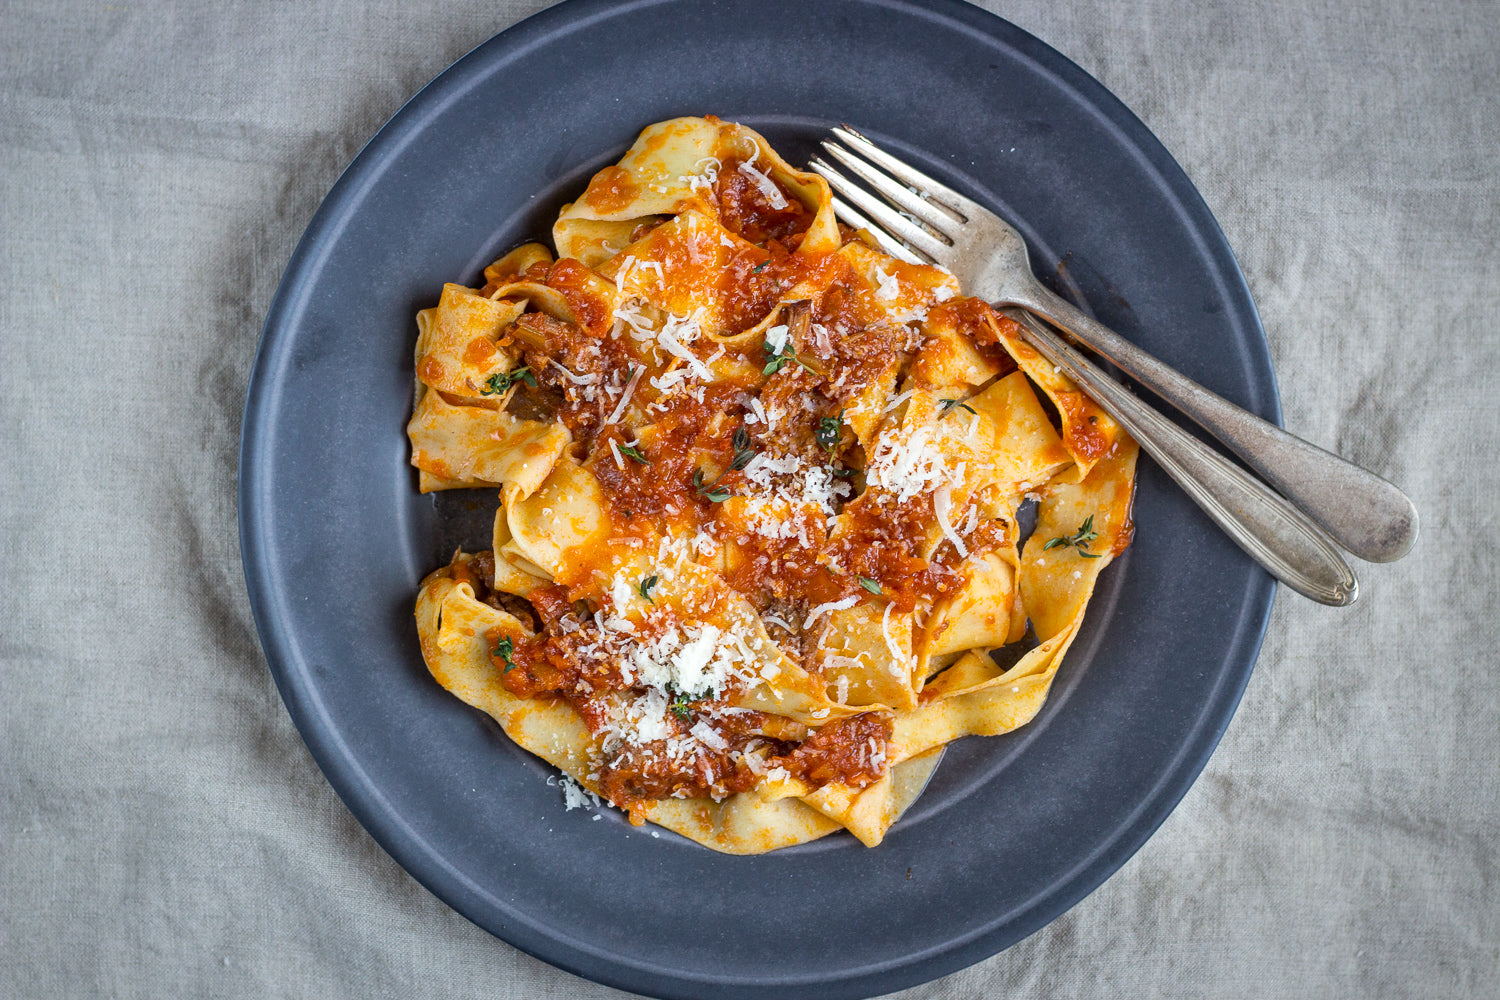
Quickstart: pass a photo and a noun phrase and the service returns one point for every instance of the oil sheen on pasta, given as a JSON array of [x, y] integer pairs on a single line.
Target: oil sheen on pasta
[[756, 532]]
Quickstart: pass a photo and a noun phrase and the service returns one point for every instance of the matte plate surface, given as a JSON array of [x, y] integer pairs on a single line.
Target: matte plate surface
[[1013, 830]]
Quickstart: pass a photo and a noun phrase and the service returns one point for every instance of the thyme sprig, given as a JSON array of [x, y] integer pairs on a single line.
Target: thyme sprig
[[712, 492], [779, 358], [1080, 540], [501, 381], [951, 404], [829, 431], [744, 451], [744, 454]]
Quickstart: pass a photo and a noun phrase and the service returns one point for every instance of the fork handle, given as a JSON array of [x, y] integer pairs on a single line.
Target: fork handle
[[1274, 533], [1364, 513]]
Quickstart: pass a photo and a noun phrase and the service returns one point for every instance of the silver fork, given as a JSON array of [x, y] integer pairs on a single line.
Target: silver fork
[[931, 223]]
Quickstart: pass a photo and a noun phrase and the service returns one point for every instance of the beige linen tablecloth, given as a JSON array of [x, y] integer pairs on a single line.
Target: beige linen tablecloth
[[164, 831]]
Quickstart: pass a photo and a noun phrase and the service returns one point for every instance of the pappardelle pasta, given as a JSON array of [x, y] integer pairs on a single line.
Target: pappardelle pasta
[[757, 534]]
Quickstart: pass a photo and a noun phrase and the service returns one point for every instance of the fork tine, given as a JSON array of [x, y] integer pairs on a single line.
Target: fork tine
[[933, 214], [853, 217], [890, 220], [966, 208]]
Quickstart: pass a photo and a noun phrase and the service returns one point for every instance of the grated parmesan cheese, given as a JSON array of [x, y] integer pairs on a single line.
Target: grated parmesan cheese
[[817, 612], [895, 401], [907, 468], [708, 736], [575, 796], [635, 378], [765, 184], [942, 501], [705, 177], [649, 265], [668, 338], [776, 620], [776, 337], [621, 593], [575, 379], [898, 658]]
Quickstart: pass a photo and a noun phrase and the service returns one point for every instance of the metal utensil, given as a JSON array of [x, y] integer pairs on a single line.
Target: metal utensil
[[932, 223], [1276, 534]]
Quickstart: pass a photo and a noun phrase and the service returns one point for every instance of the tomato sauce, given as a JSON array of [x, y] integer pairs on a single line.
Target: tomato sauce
[[694, 452], [749, 211], [612, 190], [577, 285]]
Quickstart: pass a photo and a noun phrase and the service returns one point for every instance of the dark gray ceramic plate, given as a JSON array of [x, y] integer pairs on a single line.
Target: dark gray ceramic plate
[[1012, 830]]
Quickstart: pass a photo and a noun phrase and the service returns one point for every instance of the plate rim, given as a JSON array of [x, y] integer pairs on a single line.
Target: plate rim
[[387, 826]]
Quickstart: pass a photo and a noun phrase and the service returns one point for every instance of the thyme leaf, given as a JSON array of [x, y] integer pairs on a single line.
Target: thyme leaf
[[1079, 540], [744, 453], [504, 650], [829, 431], [501, 381], [950, 404], [712, 492], [778, 359]]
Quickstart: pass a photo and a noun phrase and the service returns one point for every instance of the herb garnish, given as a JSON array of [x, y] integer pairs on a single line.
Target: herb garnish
[[504, 650], [646, 585], [949, 404], [743, 452], [1080, 540], [779, 358], [712, 492], [679, 706], [631, 451], [873, 586], [829, 431], [501, 381]]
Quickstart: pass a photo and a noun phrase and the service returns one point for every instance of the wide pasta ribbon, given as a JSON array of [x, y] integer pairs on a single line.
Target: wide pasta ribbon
[[762, 490]]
